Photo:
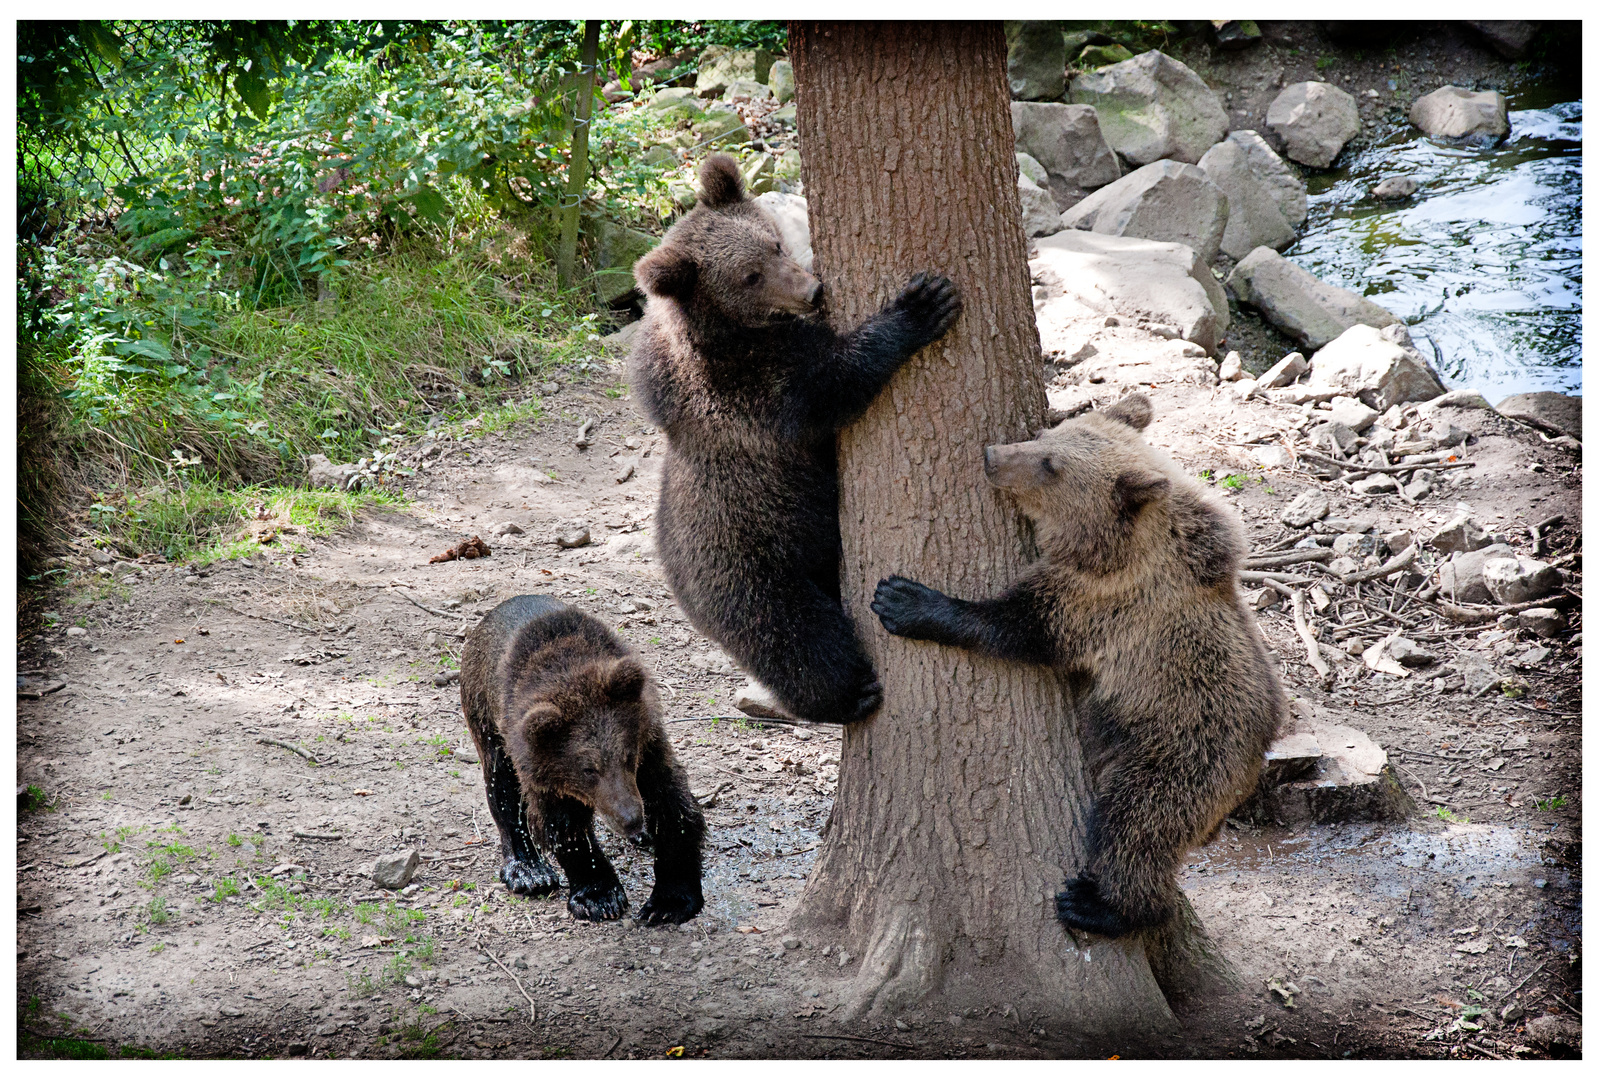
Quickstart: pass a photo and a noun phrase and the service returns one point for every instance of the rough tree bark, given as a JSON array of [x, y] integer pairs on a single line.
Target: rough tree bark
[[961, 807]]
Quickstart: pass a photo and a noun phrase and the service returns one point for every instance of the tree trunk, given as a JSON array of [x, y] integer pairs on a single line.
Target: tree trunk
[[961, 806], [578, 173]]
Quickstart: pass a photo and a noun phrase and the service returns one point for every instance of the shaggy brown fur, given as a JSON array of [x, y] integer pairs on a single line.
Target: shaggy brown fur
[[567, 723], [1135, 602], [751, 398]]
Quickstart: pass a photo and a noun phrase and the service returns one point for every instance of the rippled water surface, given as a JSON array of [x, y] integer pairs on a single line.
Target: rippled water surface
[[1484, 261]]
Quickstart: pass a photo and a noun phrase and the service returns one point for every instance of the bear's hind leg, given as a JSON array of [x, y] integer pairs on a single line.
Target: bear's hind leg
[[596, 892], [799, 644], [524, 872]]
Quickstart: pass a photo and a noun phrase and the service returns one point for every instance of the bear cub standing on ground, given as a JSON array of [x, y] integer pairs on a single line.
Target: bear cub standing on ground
[[751, 397], [567, 723], [1135, 602]]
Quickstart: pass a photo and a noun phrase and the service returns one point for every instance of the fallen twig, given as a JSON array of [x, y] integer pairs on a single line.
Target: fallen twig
[[1351, 466], [532, 1006], [1523, 982], [1392, 566], [270, 619], [303, 835], [785, 854], [1474, 614], [858, 1038], [291, 748], [1267, 577], [1288, 558], [1302, 624]]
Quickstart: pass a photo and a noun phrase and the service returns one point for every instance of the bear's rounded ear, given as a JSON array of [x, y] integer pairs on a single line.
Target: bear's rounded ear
[[624, 680], [1137, 488], [721, 184], [1133, 410], [666, 272], [542, 722]]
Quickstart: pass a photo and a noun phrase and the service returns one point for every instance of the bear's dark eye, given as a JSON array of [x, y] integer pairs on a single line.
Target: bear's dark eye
[[1048, 466], [589, 770], [752, 278]]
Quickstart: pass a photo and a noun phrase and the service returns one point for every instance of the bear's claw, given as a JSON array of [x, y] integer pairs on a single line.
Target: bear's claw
[[671, 904], [1080, 906], [932, 302], [868, 700], [597, 903], [529, 878], [906, 608]]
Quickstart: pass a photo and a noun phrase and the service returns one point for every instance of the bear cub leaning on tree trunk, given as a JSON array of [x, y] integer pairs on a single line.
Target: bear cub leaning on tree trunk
[[751, 395], [1135, 602], [567, 723]]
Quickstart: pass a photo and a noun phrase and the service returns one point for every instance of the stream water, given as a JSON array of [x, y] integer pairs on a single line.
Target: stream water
[[1484, 262]]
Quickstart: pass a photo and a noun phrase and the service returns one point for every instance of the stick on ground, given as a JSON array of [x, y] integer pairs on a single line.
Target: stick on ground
[[1302, 624]]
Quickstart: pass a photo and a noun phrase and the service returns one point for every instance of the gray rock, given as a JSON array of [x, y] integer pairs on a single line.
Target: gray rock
[[1545, 622], [1153, 107], [1451, 112], [673, 97], [1311, 505], [1350, 411], [1234, 34], [1459, 533], [395, 871], [1517, 579], [572, 535], [1363, 364], [616, 249], [1067, 141], [1395, 188], [781, 80], [1232, 368], [1028, 166], [1167, 201], [1333, 437], [1314, 121], [1287, 189], [720, 65], [623, 338], [792, 215], [1307, 309], [1509, 39], [760, 173], [1355, 544], [506, 528], [1554, 412], [1455, 399], [785, 115], [1410, 654], [1381, 484], [1039, 216], [1460, 580], [726, 128], [1283, 372], [1035, 62], [1555, 1034], [747, 88], [1476, 676], [1253, 217], [1165, 283], [322, 473]]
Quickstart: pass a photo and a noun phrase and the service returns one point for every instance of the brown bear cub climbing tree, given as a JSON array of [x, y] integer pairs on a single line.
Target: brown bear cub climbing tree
[[567, 724], [751, 394], [1135, 602]]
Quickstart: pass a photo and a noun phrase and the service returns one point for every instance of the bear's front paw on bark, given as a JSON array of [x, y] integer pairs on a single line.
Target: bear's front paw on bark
[[1080, 906], [597, 903], [672, 904], [930, 303], [910, 609], [529, 878]]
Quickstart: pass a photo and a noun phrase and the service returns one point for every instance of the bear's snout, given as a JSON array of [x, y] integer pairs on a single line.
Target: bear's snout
[[814, 297]]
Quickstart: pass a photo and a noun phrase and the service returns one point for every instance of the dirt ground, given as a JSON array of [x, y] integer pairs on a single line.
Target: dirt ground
[[234, 744]]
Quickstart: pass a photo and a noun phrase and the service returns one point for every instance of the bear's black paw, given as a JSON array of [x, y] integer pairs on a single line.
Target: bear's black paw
[[671, 904], [931, 303], [597, 903], [1080, 907], [868, 699], [908, 608], [529, 878]]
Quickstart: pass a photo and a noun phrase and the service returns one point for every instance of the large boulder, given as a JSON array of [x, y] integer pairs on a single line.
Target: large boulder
[[1036, 62], [1509, 39], [1314, 120], [1451, 112], [1253, 218], [616, 249], [1364, 364], [1298, 303], [1461, 581], [1559, 413], [720, 65], [1028, 166], [1066, 140], [1166, 283], [1153, 107], [1166, 200], [781, 80], [1287, 189], [1039, 216], [792, 215]]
